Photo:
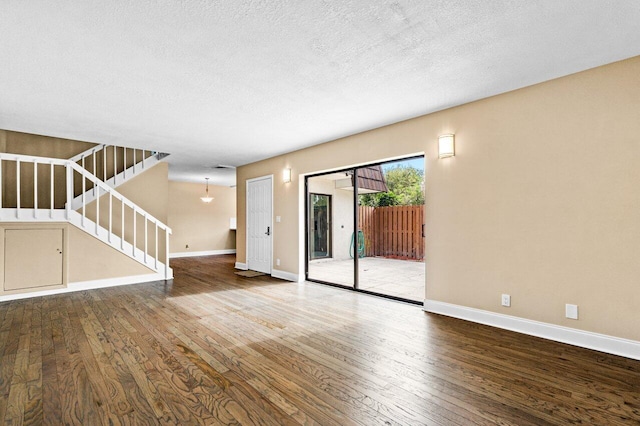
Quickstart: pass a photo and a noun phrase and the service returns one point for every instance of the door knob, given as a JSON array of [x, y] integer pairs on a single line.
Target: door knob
[[268, 231]]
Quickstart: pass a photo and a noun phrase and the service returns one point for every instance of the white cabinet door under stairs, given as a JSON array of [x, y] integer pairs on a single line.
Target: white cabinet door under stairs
[[33, 258]]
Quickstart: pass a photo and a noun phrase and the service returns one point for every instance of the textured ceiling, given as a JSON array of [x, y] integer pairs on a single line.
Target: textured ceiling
[[232, 82]]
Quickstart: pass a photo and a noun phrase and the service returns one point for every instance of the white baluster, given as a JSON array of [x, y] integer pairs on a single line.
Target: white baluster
[[166, 254], [115, 167], [18, 189], [84, 190], [135, 234], [97, 207], [104, 163], [69, 172], [122, 240], [156, 252], [1, 184], [35, 189], [124, 163], [51, 202], [145, 239], [110, 214], [93, 153]]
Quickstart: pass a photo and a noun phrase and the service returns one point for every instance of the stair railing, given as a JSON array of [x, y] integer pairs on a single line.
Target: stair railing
[[122, 159], [49, 198]]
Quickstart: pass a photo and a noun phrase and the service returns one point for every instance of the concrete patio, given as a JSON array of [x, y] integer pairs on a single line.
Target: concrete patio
[[393, 277]]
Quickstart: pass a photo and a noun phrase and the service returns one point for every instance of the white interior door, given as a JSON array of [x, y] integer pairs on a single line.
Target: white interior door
[[259, 226]]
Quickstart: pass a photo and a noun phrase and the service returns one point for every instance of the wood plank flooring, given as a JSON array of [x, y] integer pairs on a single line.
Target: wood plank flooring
[[214, 348]]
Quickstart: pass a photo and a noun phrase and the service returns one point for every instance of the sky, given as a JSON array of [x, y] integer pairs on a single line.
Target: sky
[[416, 163]]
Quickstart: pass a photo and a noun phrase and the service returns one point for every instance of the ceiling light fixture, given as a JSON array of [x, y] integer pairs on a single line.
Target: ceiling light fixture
[[207, 198]]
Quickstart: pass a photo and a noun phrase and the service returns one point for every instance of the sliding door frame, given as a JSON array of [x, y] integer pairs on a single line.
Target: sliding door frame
[[356, 277]]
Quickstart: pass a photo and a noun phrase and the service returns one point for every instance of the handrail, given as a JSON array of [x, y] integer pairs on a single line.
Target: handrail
[[32, 159], [115, 170], [88, 152]]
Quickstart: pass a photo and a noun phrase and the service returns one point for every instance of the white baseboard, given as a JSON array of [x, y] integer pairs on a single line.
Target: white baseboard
[[88, 285], [242, 266], [571, 336], [284, 275], [201, 253]]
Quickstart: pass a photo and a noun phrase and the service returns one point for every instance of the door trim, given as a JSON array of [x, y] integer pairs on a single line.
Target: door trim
[[246, 221]]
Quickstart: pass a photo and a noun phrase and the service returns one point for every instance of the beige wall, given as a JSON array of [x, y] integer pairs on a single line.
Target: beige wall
[[541, 201], [91, 259], [150, 190], [42, 146], [201, 226]]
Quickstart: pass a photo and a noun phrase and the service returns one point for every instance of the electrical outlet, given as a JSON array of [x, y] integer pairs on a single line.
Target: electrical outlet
[[277, 262], [506, 300], [571, 311]]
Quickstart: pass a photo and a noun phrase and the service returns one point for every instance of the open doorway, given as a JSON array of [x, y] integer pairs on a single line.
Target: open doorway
[[385, 203]]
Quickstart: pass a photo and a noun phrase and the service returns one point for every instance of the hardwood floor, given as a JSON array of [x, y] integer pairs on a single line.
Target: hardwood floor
[[214, 348]]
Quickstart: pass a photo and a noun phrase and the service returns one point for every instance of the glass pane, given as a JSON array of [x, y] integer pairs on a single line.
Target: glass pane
[[330, 227], [390, 222], [320, 226]]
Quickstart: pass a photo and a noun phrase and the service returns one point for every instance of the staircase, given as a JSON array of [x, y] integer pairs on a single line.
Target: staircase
[[113, 165], [40, 189]]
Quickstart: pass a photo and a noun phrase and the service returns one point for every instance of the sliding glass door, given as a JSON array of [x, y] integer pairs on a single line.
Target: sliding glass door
[[329, 229], [365, 229], [391, 218]]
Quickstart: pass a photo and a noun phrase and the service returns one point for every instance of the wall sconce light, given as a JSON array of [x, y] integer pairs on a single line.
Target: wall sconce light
[[286, 175], [446, 146], [207, 198]]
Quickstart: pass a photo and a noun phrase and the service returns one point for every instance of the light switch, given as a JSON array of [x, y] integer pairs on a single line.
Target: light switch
[[278, 219]]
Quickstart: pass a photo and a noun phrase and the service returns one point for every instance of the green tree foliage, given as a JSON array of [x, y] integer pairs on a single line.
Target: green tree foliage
[[405, 189]]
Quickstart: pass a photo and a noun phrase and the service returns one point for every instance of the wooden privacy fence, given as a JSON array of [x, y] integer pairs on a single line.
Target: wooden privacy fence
[[394, 231]]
